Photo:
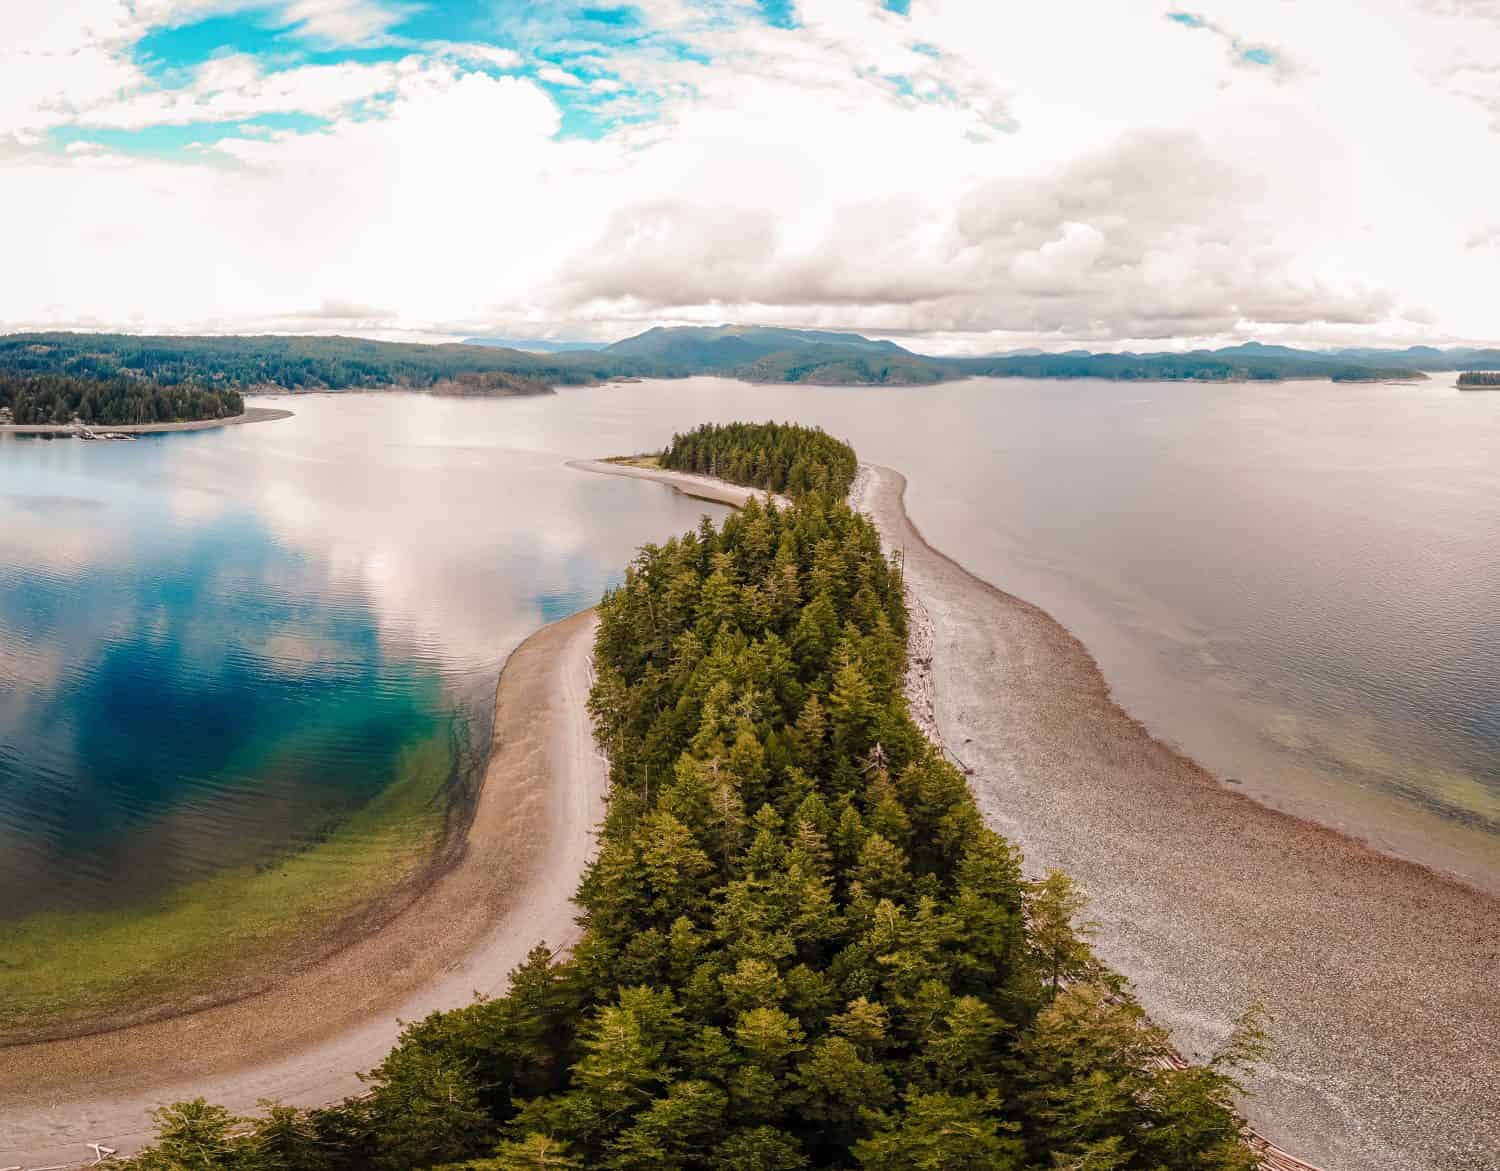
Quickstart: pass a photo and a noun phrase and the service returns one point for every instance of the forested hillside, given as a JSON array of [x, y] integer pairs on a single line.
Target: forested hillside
[[752, 353], [289, 363], [838, 366], [802, 948], [781, 457], [57, 398], [1485, 378]]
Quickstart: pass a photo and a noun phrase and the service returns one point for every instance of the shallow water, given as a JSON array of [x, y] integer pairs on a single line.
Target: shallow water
[[1293, 583], [214, 645]]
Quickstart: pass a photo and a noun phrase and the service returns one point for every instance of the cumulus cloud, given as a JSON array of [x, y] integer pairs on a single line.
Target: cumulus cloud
[[1154, 237]]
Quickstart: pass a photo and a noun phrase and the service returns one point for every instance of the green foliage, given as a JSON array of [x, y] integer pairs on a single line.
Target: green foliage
[[1488, 378], [296, 363], [755, 354], [782, 457], [59, 398], [801, 948]]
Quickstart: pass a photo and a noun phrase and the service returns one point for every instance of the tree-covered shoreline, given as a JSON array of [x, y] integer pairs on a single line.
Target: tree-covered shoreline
[[291, 363], [60, 399], [1485, 379], [802, 948]]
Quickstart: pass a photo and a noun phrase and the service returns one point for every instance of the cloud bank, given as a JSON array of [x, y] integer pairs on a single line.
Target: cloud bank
[[975, 175]]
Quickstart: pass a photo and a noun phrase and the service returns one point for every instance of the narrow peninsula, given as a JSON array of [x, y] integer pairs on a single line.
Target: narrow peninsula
[[801, 947]]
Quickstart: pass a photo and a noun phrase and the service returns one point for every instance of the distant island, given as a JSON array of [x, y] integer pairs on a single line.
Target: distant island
[[1479, 380], [184, 373]]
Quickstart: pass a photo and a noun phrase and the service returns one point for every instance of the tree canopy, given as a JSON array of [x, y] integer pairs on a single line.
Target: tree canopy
[[802, 948], [782, 457], [754, 354], [60, 398]]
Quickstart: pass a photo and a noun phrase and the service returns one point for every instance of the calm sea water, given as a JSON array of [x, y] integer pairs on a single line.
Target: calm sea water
[[213, 645]]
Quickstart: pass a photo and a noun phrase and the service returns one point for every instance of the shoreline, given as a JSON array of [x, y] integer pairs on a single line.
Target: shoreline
[[529, 838], [1378, 973], [71, 430]]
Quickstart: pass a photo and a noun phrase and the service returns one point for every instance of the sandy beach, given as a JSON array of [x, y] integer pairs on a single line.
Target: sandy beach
[[510, 888], [251, 415], [1380, 976]]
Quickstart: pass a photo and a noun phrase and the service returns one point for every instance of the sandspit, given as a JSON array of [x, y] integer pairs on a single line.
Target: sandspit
[[510, 888]]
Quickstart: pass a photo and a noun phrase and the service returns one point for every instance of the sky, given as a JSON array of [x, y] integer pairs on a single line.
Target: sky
[[960, 175]]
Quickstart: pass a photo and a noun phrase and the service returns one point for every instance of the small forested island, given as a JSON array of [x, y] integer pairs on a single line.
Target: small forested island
[[802, 948], [31, 399], [1480, 380], [780, 457]]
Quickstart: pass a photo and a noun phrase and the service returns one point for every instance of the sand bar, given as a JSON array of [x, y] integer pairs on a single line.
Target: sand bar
[[511, 888], [251, 415]]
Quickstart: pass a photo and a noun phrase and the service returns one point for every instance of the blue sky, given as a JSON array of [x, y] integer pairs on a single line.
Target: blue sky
[[564, 48], [981, 175]]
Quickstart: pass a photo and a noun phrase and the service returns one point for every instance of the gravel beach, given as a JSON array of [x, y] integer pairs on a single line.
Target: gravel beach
[[1382, 978]]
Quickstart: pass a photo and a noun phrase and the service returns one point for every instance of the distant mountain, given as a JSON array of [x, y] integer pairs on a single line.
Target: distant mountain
[[752, 353], [1425, 357], [726, 348], [529, 345]]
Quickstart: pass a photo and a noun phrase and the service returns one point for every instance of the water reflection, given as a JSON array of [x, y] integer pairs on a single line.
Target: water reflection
[[215, 646], [212, 641]]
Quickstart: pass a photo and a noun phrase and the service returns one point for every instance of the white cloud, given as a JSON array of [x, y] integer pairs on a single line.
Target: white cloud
[[500, 58], [556, 76], [344, 22], [226, 89]]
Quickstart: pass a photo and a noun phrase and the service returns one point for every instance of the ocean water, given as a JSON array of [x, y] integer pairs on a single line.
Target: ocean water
[[215, 645]]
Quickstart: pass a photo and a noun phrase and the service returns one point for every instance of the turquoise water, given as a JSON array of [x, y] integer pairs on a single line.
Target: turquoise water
[[215, 646]]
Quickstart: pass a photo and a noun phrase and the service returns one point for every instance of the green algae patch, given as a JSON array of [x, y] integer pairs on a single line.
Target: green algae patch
[[235, 933]]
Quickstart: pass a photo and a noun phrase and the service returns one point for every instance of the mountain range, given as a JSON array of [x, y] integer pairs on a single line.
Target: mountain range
[[752, 353]]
